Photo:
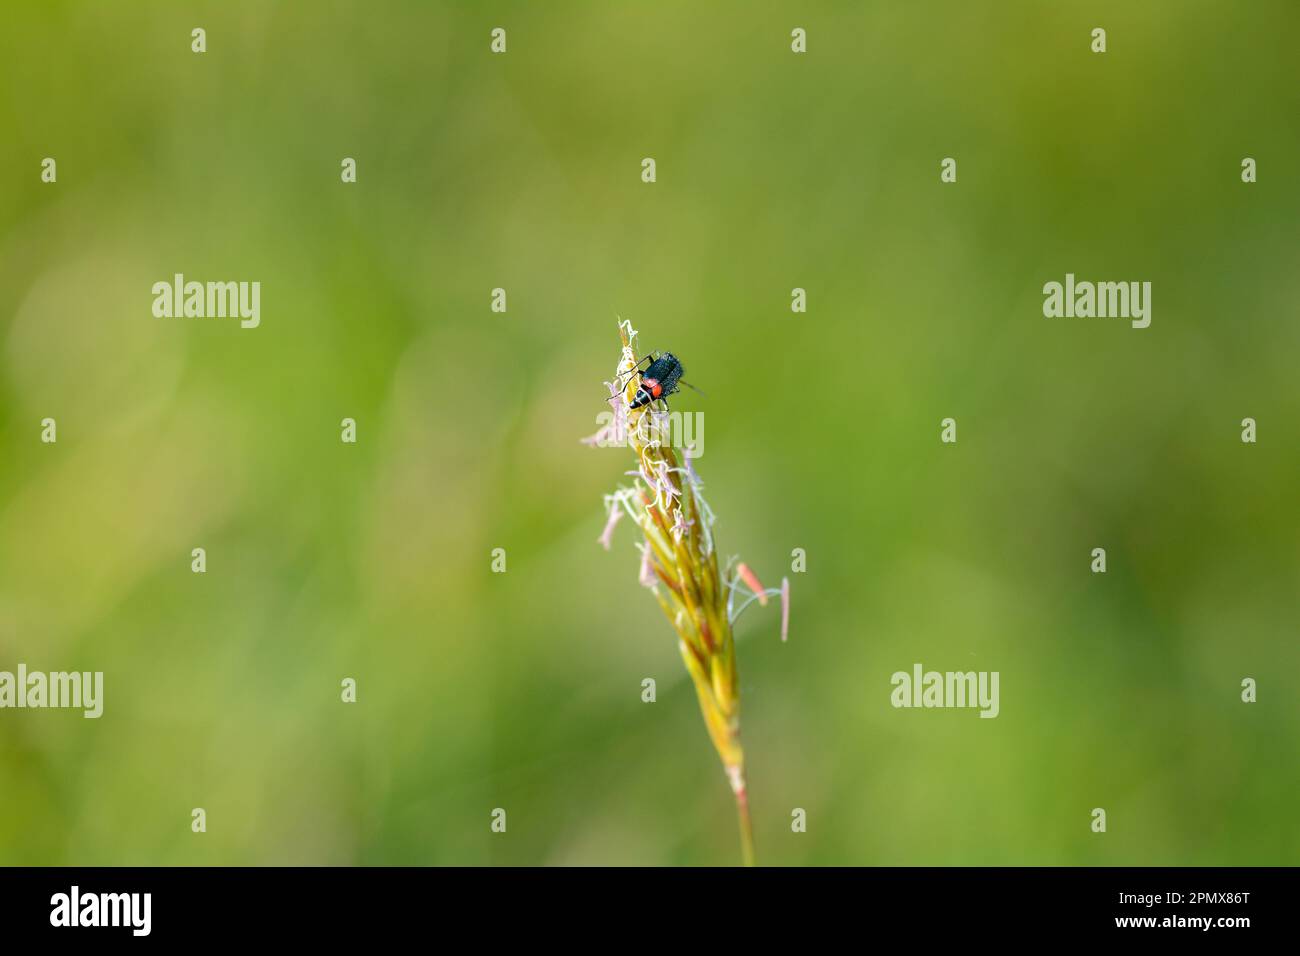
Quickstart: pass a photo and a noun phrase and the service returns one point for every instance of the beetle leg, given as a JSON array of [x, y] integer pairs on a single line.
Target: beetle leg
[[636, 369]]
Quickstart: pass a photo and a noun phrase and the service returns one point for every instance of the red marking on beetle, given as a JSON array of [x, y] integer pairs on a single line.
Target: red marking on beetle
[[658, 380]]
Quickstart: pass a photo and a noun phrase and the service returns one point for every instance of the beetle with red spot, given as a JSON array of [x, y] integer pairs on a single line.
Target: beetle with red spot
[[658, 380]]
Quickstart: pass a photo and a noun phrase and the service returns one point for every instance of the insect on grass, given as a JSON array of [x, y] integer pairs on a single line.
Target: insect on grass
[[679, 560]]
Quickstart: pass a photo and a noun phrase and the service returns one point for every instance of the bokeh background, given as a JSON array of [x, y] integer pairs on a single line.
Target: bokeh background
[[522, 690]]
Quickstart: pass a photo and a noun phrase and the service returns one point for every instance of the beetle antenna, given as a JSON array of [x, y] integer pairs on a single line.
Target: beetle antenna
[[692, 387], [630, 372]]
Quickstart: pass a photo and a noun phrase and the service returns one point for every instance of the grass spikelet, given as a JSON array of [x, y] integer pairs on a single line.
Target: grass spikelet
[[679, 565]]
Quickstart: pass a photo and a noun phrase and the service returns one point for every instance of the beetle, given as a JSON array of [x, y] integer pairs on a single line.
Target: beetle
[[658, 379]]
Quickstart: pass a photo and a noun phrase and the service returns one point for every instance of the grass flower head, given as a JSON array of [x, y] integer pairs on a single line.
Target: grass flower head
[[679, 565]]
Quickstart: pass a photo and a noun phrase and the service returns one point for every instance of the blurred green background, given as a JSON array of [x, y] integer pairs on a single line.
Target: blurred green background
[[522, 690]]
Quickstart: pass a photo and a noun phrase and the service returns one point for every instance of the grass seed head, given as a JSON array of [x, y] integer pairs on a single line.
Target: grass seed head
[[679, 565]]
